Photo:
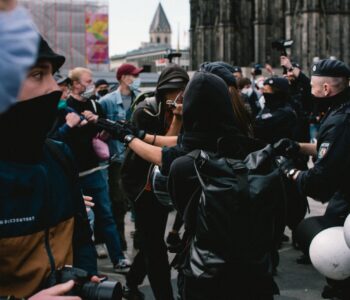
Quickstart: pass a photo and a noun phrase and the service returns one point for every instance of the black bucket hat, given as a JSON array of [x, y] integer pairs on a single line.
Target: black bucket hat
[[46, 53]]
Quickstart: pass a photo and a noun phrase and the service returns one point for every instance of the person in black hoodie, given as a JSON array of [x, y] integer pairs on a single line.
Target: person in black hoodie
[[209, 124], [43, 221], [159, 114]]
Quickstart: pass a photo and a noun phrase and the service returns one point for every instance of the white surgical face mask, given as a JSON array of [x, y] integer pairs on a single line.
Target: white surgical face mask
[[247, 91], [135, 85], [89, 91]]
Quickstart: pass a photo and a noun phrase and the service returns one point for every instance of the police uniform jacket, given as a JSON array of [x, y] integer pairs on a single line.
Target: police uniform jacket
[[330, 176]]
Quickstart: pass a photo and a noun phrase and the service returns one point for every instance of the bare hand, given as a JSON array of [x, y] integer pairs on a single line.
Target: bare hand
[[72, 119], [90, 116], [88, 202], [177, 111], [7, 5], [56, 292], [269, 68], [285, 62]]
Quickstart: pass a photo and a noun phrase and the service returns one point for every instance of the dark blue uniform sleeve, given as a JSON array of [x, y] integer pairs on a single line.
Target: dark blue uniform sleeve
[[331, 169]]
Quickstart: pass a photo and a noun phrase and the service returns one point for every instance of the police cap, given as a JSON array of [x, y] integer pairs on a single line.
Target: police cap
[[282, 84], [330, 68], [237, 69]]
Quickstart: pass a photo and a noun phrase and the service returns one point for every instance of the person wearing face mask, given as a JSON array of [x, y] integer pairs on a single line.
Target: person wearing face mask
[[249, 94], [78, 134], [157, 114], [43, 221], [101, 89], [63, 83], [277, 120], [116, 107], [328, 179], [301, 98]]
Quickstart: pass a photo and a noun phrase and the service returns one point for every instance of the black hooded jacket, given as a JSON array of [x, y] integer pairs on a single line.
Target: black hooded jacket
[[209, 125]]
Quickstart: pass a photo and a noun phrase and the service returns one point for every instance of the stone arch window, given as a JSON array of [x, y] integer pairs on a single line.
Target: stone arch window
[[166, 40], [158, 40]]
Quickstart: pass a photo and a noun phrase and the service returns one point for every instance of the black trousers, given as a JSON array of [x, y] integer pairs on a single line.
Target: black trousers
[[118, 199], [152, 259]]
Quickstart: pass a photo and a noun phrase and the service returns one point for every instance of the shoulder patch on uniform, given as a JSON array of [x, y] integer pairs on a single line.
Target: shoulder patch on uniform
[[323, 150]]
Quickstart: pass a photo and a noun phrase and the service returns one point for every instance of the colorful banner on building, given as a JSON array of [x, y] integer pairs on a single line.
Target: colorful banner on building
[[96, 38]]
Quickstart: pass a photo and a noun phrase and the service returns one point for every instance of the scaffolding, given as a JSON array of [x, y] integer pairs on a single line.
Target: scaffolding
[[62, 24]]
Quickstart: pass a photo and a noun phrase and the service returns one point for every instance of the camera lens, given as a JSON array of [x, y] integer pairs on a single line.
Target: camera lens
[[107, 290]]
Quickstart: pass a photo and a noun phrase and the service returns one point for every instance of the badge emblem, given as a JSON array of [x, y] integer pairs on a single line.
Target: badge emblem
[[323, 150]]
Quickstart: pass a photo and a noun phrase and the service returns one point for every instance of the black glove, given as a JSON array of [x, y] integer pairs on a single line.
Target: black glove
[[286, 147], [133, 130], [120, 129], [286, 165]]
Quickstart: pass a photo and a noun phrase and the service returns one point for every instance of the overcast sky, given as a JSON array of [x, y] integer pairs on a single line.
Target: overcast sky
[[130, 21]]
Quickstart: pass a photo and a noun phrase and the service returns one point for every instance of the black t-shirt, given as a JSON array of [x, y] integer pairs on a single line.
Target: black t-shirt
[[79, 139]]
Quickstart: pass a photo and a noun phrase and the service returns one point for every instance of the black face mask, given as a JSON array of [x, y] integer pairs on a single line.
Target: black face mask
[[103, 92], [24, 128], [327, 102], [273, 101]]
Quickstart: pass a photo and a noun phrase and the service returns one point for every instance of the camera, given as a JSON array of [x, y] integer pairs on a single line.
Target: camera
[[83, 287], [282, 45]]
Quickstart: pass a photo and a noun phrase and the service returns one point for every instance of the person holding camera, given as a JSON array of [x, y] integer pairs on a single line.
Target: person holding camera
[[43, 221], [77, 128]]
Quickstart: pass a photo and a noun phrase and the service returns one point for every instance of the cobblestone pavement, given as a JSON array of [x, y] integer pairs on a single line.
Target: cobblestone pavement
[[296, 282]]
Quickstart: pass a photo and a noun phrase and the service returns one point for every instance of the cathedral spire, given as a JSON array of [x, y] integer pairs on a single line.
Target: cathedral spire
[[160, 29]]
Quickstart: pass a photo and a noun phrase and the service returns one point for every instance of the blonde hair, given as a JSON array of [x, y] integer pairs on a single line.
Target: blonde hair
[[76, 73]]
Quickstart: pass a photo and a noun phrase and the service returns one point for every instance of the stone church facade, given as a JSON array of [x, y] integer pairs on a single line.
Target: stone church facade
[[241, 31]]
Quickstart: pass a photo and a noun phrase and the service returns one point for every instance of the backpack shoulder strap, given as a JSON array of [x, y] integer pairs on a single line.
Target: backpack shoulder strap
[[194, 154]]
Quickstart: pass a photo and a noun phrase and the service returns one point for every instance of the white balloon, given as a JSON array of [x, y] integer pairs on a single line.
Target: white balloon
[[330, 255], [347, 231]]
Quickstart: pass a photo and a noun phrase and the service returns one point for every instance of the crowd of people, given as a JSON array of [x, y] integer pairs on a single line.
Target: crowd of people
[[230, 154]]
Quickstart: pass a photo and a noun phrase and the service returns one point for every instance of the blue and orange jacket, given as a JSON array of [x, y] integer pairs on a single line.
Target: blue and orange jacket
[[43, 224]]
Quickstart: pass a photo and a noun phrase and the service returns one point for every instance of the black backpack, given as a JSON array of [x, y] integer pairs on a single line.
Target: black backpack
[[240, 212]]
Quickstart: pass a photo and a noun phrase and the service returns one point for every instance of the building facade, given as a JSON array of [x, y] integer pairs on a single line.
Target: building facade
[[241, 31], [151, 55], [63, 24]]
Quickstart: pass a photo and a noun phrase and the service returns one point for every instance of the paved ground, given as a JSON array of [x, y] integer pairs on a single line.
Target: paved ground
[[295, 281]]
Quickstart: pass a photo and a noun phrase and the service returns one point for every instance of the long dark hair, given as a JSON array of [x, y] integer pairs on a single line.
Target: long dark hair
[[243, 118]]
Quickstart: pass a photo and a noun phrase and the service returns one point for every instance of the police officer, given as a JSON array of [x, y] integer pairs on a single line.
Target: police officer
[[277, 120], [301, 98], [328, 180]]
